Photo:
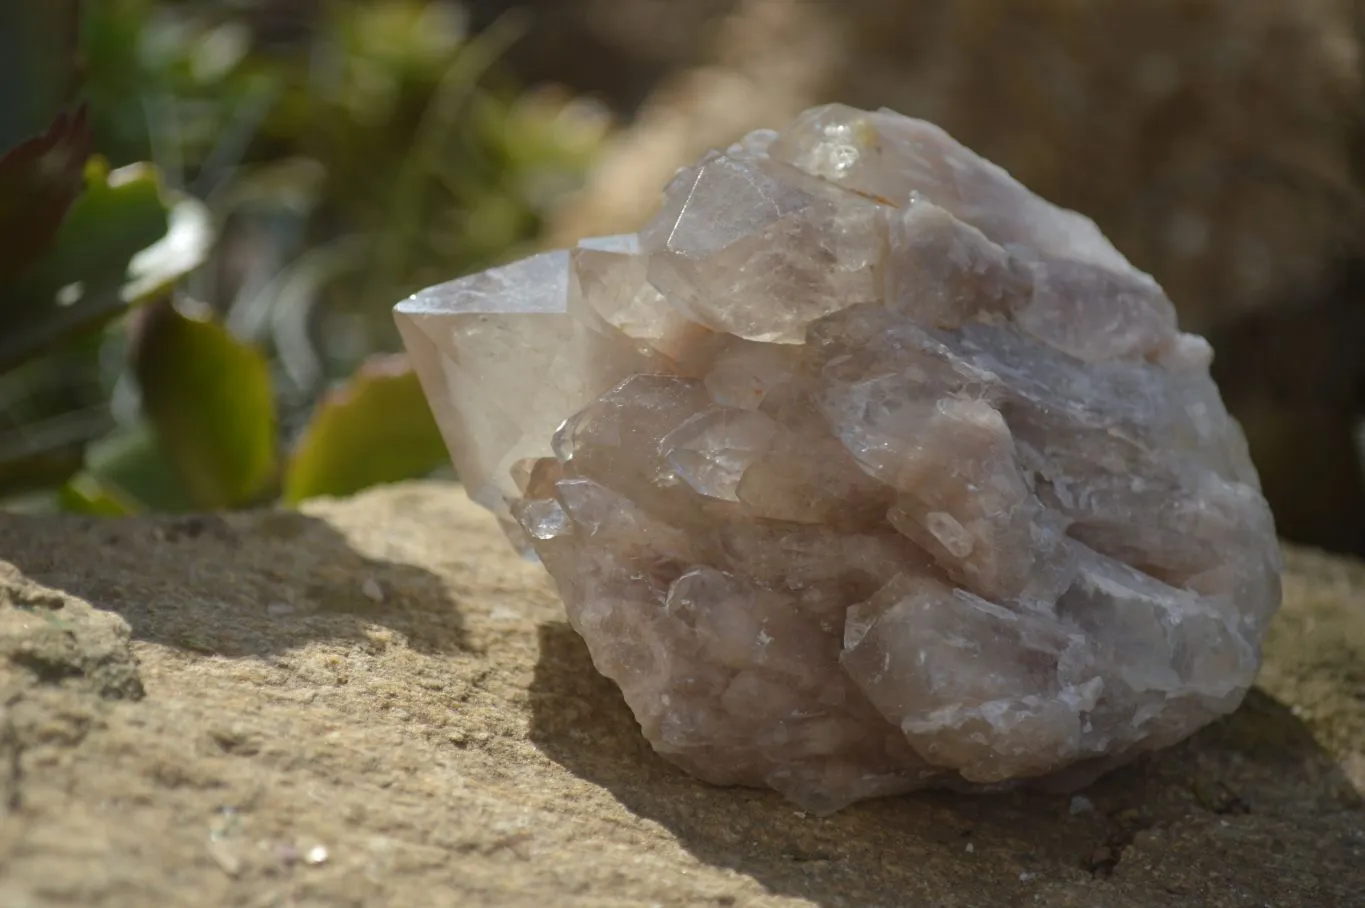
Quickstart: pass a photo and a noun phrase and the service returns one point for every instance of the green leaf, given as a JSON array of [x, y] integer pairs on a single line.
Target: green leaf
[[117, 39], [125, 472], [39, 180], [46, 452], [124, 241], [208, 398], [377, 428], [50, 408], [39, 64], [84, 494], [43, 141]]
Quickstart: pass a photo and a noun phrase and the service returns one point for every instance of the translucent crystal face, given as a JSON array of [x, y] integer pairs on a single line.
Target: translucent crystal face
[[863, 469]]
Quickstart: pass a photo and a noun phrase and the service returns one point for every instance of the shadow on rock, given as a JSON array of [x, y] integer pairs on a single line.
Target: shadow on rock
[[1247, 802], [249, 584]]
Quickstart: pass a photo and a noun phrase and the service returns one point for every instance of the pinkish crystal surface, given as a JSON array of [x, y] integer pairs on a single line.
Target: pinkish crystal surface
[[863, 469]]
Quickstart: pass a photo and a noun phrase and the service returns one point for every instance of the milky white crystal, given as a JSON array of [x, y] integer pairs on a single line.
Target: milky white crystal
[[863, 469]]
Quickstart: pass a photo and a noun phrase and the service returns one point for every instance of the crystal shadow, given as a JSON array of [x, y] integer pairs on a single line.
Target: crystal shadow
[[1210, 821], [310, 585]]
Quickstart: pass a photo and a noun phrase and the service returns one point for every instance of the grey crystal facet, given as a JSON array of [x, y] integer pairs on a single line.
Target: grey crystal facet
[[863, 469]]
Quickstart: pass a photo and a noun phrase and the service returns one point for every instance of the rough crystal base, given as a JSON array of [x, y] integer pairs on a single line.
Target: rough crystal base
[[863, 469]]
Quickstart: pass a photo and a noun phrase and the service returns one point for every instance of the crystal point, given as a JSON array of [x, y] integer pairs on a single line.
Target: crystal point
[[863, 469]]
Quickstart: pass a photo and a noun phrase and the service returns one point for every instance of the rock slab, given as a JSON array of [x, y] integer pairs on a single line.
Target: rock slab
[[373, 702]]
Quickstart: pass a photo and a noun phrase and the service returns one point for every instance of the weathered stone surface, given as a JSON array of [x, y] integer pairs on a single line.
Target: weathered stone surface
[[385, 678], [57, 641], [865, 469]]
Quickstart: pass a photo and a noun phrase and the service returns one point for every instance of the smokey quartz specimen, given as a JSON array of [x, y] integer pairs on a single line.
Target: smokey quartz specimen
[[863, 469]]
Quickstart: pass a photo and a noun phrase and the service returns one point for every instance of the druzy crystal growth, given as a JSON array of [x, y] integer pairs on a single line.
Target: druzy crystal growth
[[863, 469]]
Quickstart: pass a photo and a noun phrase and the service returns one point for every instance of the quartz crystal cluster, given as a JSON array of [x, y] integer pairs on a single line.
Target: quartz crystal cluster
[[862, 469]]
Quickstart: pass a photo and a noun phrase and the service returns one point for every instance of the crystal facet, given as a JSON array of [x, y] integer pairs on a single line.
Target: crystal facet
[[863, 469]]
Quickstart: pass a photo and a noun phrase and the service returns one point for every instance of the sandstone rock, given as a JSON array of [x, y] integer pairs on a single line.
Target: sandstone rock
[[451, 745], [53, 640]]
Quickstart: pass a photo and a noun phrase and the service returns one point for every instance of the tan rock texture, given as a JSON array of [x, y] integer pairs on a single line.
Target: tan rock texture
[[374, 702]]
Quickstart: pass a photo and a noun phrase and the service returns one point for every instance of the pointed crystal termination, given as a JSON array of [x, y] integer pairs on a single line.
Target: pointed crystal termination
[[863, 469]]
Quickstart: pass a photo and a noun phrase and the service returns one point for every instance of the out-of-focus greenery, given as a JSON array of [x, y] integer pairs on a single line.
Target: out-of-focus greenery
[[207, 211]]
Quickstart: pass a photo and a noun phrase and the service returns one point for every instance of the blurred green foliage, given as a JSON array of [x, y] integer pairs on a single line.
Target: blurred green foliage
[[207, 211]]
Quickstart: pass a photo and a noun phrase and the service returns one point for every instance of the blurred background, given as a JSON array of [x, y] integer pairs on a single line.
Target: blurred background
[[208, 209]]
